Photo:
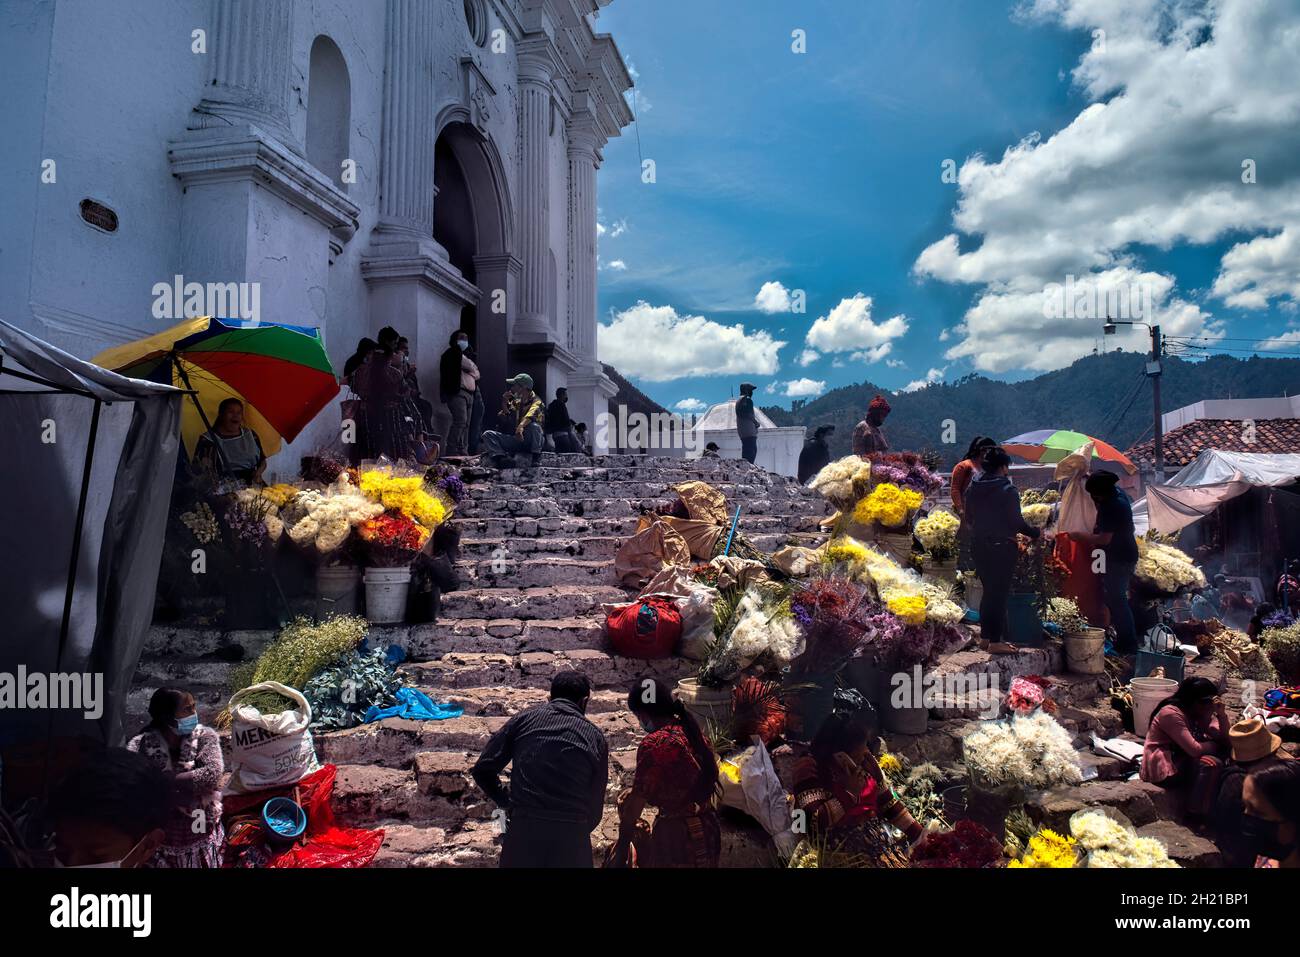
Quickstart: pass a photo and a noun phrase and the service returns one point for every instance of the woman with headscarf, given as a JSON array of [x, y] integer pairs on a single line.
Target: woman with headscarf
[[190, 755], [382, 387], [676, 773]]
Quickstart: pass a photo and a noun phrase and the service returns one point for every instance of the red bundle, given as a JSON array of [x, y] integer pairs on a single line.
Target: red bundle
[[967, 845]]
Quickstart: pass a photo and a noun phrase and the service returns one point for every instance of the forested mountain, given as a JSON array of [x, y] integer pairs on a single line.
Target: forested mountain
[[1102, 395]]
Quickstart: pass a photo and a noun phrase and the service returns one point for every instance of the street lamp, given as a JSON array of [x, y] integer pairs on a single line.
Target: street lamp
[[1152, 370]]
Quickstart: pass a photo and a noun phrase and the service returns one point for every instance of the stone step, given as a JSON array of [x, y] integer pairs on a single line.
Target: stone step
[[545, 474], [600, 547], [536, 572], [497, 700], [570, 526], [616, 488], [536, 669], [514, 600], [512, 636], [549, 506]]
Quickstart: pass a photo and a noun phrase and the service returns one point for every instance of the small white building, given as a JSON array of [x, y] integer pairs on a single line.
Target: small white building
[[778, 446]]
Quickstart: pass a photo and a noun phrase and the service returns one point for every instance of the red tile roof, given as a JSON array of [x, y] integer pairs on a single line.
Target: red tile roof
[[1184, 443]]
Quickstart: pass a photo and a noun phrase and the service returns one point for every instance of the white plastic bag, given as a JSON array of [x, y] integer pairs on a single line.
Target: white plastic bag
[[759, 793], [272, 750]]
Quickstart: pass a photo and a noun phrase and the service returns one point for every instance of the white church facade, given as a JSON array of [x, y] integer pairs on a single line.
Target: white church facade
[[423, 164]]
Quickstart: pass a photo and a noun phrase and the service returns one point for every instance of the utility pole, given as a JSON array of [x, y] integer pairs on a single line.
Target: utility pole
[[1154, 370]]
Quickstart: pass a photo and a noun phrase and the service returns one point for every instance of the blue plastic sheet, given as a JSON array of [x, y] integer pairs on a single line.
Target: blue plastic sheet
[[416, 705]]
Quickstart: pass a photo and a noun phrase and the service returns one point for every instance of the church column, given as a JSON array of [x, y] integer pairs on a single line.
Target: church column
[[413, 286], [590, 390], [583, 161], [536, 69], [406, 161], [252, 42]]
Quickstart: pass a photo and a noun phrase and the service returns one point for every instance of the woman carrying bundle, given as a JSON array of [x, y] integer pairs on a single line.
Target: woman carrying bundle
[[677, 773]]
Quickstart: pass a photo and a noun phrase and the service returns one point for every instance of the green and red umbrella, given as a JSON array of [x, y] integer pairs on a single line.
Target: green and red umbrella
[[281, 373], [1049, 446]]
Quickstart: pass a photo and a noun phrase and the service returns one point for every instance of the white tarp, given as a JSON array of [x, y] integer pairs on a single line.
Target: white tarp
[[45, 438], [1214, 478]]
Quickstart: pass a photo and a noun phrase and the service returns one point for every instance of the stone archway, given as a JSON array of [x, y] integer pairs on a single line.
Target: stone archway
[[473, 222]]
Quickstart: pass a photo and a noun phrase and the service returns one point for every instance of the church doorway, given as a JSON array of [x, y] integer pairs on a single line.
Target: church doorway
[[472, 222]]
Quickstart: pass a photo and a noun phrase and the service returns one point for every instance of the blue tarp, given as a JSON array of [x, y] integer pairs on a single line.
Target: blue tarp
[[416, 705]]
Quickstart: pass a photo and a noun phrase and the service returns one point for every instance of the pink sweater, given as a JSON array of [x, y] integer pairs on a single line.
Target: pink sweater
[[1172, 740]]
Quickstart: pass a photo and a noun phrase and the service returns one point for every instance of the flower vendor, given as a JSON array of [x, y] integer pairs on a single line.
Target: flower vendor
[[840, 787], [1186, 742], [816, 453], [677, 773], [1272, 819], [993, 517], [230, 450], [190, 755], [963, 473], [522, 414], [1113, 534], [867, 436]]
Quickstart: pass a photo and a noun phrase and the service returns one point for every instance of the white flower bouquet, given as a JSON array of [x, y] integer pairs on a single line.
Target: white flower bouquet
[[1166, 569], [1032, 751], [1108, 843], [844, 481]]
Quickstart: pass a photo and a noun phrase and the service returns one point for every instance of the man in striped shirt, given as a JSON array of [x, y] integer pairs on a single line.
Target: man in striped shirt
[[560, 768]]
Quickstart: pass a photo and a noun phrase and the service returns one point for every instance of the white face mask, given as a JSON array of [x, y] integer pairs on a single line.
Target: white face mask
[[462, 343]]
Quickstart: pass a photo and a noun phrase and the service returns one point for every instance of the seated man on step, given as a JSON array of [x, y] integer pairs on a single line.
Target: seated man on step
[[522, 412]]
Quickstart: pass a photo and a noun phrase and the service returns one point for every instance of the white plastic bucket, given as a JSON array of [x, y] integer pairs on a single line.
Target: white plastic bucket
[[1147, 693], [386, 590], [336, 589], [1085, 652]]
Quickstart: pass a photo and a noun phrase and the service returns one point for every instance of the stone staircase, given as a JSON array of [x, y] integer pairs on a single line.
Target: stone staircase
[[538, 546]]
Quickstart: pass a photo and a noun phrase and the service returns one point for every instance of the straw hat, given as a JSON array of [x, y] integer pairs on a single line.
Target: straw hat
[[1251, 740]]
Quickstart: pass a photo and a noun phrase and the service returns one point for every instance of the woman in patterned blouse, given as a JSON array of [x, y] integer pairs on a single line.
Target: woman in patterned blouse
[[677, 773], [190, 754], [845, 798]]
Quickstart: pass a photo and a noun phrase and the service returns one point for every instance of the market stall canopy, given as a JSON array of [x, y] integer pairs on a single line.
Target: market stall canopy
[[1046, 446], [90, 458], [281, 373], [1212, 479]]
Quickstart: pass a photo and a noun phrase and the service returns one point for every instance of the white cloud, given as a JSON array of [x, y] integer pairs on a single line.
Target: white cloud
[[772, 298], [1182, 93], [618, 229], [798, 388], [690, 405], [616, 264], [872, 356], [658, 344], [849, 327], [808, 357], [600, 229], [1284, 341], [934, 375], [896, 363]]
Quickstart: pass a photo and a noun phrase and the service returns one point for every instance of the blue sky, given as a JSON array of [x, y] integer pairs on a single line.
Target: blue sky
[[821, 171]]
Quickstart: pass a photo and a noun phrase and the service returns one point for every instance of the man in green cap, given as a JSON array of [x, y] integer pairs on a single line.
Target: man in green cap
[[521, 413]]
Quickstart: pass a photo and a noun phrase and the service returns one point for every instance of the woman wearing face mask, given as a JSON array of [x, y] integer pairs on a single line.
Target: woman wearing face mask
[[1187, 741], [677, 773], [1272, 819], [109, 812], [190, 755]]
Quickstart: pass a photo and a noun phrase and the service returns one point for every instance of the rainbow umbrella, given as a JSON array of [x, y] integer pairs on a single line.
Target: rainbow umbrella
[[1049, 446], [281, 373]]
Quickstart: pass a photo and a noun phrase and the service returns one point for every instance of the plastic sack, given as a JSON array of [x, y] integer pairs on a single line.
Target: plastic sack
[[414, 704], [750, 784], [647, 628], [643, 555], [272, 750], [694, 601], [324, 844]]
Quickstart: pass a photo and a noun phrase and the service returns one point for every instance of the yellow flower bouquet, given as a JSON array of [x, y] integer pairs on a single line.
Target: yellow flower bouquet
[[1049, 849], [1165, 568], [938, 534], [888, 505], [407, 495]]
